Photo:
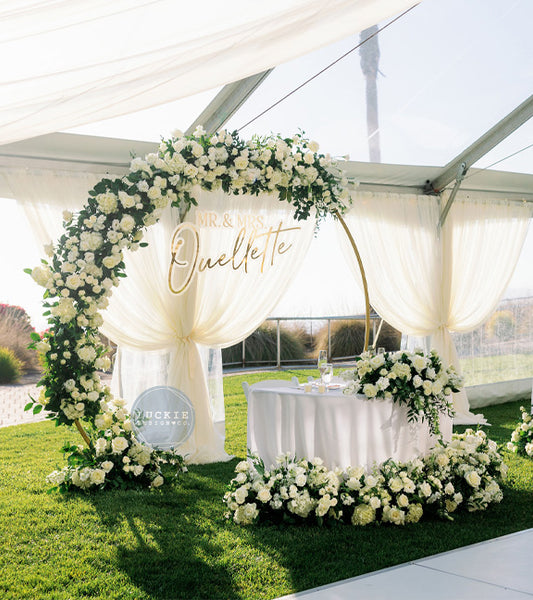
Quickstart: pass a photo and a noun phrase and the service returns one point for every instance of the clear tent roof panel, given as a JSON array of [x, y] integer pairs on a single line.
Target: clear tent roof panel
[[450, 71]]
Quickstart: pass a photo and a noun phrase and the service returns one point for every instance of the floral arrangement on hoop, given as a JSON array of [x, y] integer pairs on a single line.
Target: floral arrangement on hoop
[[466, 473], [522, 437], [414, 379], [88, 261]]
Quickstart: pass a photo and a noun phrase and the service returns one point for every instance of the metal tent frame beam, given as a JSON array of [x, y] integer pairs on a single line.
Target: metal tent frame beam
[[482, 145], [230, 98]]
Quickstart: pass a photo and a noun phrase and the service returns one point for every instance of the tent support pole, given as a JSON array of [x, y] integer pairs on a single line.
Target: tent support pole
[[363, 277], [461, 172]]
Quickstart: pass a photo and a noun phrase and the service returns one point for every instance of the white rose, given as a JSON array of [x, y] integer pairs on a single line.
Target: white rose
[[100, 446], [425, 489], [449, 489], [87, 354], [41, 275], [74, 281], [119, 444], [377, 361], [107, 465], [107, 202], [98, 476], [396, 484], [403, 501], [419, 362], [241, 494], [65, 310], [158, 481], [245, 514], [370, 390], [375, 502], [473, 479], [127, 223], [264, 495], [241, 478]]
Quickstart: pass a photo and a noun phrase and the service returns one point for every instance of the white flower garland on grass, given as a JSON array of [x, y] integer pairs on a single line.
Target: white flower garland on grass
[[466, 473], [88, 262], [414, 379], [522, 437]]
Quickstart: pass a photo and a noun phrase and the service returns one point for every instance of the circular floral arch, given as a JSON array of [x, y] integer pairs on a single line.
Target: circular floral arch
[[88, 261]]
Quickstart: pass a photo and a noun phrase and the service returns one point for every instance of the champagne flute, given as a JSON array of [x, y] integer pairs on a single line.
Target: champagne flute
[[328, 374], [322, 362]]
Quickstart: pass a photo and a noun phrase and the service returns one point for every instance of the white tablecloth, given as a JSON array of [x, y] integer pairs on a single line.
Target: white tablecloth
[[343, 430]]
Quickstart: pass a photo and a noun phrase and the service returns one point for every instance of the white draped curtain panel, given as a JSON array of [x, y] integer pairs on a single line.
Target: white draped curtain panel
[[77, 62], [247, 251], [163, 338], [426, 282]]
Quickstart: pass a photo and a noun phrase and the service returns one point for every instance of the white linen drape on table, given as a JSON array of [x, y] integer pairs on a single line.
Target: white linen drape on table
[[221, 306], [98, 60], [343, 430], [428, 283]]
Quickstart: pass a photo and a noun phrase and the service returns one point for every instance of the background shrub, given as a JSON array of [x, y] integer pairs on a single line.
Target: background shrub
[[348, 338], [15, 330], [10, 366], [501, 325], [261, 346]]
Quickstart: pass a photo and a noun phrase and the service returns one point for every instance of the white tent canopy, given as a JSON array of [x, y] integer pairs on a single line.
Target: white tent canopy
[[78, 81]]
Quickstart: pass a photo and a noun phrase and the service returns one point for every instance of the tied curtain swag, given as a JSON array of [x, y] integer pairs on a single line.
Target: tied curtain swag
[[162, 336], [428, 283], [222, 304], [100, 59]]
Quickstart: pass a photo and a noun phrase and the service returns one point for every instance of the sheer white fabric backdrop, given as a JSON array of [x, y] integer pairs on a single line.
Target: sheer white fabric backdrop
[[426, 284], [99, 59], [222, 305], [45, 194]]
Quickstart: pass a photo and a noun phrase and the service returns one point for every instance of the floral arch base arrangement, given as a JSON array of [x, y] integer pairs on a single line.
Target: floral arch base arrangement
[[464, 474], [88, 262]]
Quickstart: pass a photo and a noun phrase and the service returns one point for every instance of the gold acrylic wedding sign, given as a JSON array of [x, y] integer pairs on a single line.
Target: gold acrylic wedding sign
[[252, 242]]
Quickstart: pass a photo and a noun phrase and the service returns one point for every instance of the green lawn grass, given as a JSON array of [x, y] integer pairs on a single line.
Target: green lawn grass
[[490, 369], [174, 543]]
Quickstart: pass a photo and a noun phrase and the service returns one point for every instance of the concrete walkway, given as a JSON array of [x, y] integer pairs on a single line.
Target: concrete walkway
[[14, 397], [498, 569]]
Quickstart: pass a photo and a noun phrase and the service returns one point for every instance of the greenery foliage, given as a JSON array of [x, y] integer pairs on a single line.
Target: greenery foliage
[[15, 332], [173, 542], [10, 366]]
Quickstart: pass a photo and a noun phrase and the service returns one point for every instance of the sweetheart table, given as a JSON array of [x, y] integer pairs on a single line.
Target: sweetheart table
[[343, 430]]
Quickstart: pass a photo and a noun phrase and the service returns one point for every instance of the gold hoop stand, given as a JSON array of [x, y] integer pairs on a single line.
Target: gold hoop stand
[[363, 277]]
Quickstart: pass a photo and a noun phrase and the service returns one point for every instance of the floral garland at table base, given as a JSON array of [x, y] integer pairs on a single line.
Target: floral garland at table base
[[463, 474], [522, 437]]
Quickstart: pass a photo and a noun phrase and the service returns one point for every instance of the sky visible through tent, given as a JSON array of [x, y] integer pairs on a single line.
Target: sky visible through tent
[[450, 70]]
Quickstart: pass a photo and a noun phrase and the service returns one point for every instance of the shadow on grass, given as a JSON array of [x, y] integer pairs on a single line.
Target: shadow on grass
[[315, 556], [168, 543], [175, 543]]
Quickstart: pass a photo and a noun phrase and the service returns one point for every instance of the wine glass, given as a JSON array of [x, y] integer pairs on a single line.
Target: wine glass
[[328, 374], [322, 362]]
